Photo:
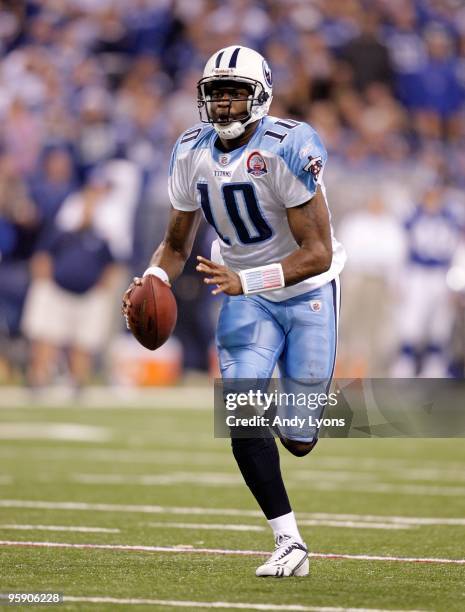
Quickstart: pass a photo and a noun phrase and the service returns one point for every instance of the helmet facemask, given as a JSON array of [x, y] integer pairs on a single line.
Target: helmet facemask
[[230, 126]]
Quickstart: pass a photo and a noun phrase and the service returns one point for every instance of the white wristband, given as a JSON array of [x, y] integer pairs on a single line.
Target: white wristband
[[263, 278], [156, 271]]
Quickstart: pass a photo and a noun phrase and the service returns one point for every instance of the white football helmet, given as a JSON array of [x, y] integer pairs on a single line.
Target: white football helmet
[[245, 67]]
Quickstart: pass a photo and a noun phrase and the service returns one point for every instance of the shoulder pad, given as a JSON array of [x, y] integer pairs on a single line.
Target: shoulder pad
[[194, 137], [297, 143], [280, 135]]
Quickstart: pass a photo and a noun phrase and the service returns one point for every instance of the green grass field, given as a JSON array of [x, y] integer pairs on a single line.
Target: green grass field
[[125, 475]]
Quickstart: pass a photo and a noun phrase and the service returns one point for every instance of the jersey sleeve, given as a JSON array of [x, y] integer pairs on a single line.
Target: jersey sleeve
[[179, 190], [303, 158]]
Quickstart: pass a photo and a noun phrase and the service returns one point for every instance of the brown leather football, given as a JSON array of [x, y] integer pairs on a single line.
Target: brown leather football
[[153, 312]]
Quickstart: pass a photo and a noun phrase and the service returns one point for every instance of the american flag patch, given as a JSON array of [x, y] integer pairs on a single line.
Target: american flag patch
[[264, 278]]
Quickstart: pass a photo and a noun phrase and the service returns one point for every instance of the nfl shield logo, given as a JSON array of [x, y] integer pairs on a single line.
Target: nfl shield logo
[[256, 165], [315, 305], [224, 159]]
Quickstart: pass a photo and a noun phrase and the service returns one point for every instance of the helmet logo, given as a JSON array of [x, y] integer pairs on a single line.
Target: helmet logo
[[256, 165], [267, 73]]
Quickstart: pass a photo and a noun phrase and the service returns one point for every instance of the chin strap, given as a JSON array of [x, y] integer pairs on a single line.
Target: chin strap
[[233, 129], [229, 131]]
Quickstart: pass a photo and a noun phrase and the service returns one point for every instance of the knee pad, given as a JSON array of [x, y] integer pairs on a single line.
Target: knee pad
[[298, 449]]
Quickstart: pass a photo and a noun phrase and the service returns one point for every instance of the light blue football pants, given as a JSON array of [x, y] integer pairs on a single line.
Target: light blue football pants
[[299, 335]]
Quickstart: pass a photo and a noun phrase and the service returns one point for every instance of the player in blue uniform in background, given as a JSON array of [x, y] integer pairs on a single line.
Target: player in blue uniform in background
[[425, 311], [258, 181]]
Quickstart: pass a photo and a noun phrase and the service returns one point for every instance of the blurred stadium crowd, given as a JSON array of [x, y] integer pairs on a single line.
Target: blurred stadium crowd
[[93, 94]]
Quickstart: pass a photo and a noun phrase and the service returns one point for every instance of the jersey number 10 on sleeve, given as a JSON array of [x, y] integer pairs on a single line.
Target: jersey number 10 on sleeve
[[248, 221]]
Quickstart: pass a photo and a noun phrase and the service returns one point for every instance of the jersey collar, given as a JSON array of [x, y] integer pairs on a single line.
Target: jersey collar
[[224, 159]]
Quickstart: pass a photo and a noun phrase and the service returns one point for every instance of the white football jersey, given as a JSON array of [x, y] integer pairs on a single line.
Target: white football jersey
[[244, 193]]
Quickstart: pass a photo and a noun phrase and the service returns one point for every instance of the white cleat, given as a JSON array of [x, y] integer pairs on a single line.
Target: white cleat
[[290, 558]]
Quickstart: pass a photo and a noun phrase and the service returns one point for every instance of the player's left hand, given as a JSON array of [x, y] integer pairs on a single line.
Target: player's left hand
[[226, 280]]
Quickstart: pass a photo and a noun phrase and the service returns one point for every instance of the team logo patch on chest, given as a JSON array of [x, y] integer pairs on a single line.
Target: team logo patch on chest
[[223, 159], [256, 165]]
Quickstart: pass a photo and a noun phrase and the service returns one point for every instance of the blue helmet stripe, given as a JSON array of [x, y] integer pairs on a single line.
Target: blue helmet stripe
[[233, 60], [218, 59]]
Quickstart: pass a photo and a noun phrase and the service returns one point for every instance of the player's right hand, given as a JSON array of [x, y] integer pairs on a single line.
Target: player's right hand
[[126, 298]]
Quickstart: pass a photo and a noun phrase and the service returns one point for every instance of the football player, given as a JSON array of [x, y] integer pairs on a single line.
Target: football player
[[425, 311], [257, 180]]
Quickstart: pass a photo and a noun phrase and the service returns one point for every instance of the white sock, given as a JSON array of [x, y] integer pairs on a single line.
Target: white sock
[[285, 524]]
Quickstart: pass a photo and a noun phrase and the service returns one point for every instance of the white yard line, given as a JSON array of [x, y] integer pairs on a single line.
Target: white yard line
[[142, 508], [432, 474], [214, 479], [413, 474], [205, 511], [403, 520], [325, 466], [383, 463], [334, 462], [201, 478], [220, 479], [223, 551], [319, 462], [207, 526], [351, 524], [322, 467], [110, 398], [72, 528], [302, 523], [229, 605], [165, 457], [71, 432], [405, 489]]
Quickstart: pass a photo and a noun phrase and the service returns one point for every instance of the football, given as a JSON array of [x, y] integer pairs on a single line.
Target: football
[[153, 312]]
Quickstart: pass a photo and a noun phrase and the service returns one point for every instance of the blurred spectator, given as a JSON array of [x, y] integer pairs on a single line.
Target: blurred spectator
[[291, 90], [149, 24], [376, 246], [316, 64], [424, 311], [113, 219], [406, 49], [96, 141], [53, 181], [456, 283], [17, 212], [340, 21], [12, 16], [240, 21], [197, 312], [367, 55], [18, 220], [21, 134], [70, 298], [141, 130], [440, 91]]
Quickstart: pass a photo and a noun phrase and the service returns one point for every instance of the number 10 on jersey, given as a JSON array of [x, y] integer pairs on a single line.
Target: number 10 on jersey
[[248, 221]]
